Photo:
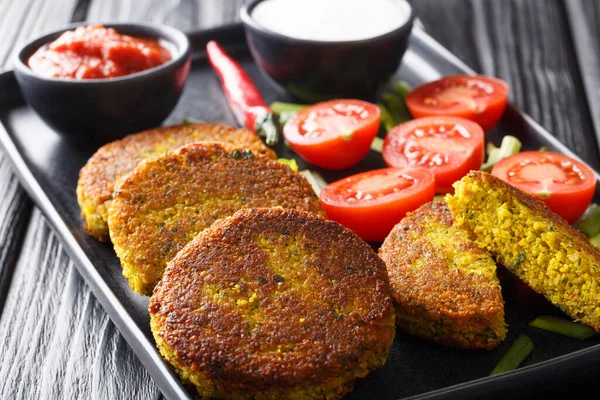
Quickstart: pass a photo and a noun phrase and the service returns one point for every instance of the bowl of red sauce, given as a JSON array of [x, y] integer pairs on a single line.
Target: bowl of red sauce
[[96, 83]]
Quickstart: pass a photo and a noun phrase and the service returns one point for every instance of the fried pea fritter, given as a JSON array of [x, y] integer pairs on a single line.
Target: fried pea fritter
[[274, 303], [445, 288], [115, 160], [532, 242], [167, 200]]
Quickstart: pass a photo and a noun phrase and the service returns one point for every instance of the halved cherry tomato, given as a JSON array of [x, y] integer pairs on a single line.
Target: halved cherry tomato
[[564, 184], [448, 146], [479, 98], [373, 202], [334, 134]]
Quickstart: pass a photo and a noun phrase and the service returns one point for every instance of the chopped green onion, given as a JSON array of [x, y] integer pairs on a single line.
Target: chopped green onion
[[397, 108], [589, 224], [290, 162], [268, 127], [386, 117], [596, 240], [543, 148], [278, 107], [192, 121], [315, 179], [563, 327], [520, 349], [285, 116], [510, 145], [518, 261], [439, 197], [377, 144], [402, 88]]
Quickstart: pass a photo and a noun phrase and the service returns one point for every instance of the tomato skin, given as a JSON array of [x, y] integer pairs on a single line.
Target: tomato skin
[[565, 185], [373, 219], [328, 144], [402, 148], [443, 97]]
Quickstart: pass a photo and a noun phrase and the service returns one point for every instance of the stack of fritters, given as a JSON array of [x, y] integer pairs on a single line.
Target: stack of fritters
[[262, 297], [115, 160], [166, 201]]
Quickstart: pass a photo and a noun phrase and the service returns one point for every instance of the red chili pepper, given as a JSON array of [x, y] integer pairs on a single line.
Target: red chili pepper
[[246, 102]]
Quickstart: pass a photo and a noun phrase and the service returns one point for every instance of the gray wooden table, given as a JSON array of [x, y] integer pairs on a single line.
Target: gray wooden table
[[55, 339]]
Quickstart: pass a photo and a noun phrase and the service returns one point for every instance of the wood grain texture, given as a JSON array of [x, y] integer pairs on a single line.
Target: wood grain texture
[[583, 23], [19, 21], [184, 14], [15, 209], [528, 44], [24, 19], [55, 339]]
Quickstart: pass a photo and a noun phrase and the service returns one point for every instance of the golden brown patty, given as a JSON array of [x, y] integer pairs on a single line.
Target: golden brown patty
[[167, 200], [445, 288], [535, 244], [273, 303], [116, 160]]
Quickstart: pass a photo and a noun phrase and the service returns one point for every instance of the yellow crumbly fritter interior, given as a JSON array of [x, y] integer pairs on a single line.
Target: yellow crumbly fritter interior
[[533, 243]]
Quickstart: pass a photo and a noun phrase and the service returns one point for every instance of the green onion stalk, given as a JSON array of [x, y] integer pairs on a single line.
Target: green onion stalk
[[563, 327], [315, 179], [517, 353], [589, 224], [290, 162], [510, 145]]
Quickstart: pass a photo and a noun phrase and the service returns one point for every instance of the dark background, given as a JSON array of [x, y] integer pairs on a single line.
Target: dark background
[[56, 340]]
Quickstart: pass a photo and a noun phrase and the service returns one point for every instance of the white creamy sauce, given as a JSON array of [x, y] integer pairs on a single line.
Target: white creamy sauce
[[331, 20]]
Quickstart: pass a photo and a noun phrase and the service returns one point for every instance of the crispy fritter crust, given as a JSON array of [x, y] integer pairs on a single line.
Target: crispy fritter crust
[[535, 244], [444, 287], [167, 200], [274, 303], [116, 160]]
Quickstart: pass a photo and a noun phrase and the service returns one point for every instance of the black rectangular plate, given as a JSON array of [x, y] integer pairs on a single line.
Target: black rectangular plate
[[48, 169]]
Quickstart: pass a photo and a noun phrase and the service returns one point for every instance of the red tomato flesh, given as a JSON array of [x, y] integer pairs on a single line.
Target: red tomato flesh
[[479, 98], [566, 185], [334, 134], [448, 146], [373, 202]]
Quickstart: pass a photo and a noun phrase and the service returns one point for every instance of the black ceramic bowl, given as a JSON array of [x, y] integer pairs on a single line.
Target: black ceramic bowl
[[91, 112], [317, 70]]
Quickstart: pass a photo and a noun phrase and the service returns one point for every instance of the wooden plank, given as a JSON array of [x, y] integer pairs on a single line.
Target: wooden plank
[[583, 23], [19, 21], [185, 14], [57, 341], [24, 19], [527, 44], [15, 209]]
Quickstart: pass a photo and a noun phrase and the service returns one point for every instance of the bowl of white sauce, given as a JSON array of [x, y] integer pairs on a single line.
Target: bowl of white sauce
[[324, 49]]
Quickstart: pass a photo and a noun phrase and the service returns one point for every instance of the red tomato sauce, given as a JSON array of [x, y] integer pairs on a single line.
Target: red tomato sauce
[[96, 52]]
